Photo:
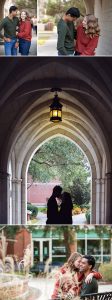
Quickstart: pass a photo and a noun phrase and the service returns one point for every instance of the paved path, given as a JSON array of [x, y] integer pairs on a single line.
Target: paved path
[[77, 219], [50, 46], [46, 287], [33, 48]]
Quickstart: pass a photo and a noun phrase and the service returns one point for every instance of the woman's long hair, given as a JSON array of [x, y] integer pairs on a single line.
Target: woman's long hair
[[73, 257], [92, 28]]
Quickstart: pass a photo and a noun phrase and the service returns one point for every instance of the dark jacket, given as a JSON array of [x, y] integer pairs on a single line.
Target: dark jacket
[[66, 36], [66, 212], [52, 211], [90, 288]]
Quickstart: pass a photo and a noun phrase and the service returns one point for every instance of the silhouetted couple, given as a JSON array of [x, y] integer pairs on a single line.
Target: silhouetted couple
[[59, 207]]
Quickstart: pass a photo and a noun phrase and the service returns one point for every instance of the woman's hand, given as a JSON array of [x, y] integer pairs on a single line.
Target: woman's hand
[[89, 278], [16, 45]]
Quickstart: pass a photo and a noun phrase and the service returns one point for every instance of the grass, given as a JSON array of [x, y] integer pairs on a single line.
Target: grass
[[43, 38], [32, 222]]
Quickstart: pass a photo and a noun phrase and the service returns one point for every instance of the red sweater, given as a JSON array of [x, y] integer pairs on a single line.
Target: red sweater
[[85, 45], [25, 30]]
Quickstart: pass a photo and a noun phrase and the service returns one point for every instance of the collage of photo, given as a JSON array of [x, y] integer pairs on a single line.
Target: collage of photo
[[55, 150]]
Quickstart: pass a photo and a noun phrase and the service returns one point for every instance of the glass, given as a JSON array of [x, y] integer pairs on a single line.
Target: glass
[[94, 247], [45, 249], [81, 246], [106, 259], [36, 251], [58, 247], [106, 247]]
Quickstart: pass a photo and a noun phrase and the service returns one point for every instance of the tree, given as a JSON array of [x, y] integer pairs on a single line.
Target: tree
[[57, 7], [62, 159], [29, 4]]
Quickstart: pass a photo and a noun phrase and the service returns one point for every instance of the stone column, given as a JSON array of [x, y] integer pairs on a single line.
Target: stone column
[[2, 9], [108, 202], [102, 205], [24, 201], [18, 200], [98, 201], [93, 201], [4, 186], [89, 6]]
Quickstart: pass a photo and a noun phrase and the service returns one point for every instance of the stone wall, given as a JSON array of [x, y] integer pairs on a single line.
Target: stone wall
[[1, 9], [103, 9]]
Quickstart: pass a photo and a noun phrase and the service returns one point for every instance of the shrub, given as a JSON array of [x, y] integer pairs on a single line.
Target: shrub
[[106, 271], [33, 209], [77, 210], [88, 216], [84, 210]]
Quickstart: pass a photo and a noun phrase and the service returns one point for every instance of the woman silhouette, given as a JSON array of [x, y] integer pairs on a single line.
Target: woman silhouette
[[66, 209]]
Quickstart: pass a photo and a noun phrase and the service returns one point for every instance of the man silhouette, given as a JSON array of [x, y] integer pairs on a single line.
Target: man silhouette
[[53, 205]]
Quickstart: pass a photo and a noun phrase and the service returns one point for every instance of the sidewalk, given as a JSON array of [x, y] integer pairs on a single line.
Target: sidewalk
[[33, 48], [77, 219], [50, 46], [46, 286]]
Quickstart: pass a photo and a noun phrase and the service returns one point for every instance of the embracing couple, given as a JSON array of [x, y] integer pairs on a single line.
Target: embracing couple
[[59, 207], [16, 31], [82, 40], [76, 278]]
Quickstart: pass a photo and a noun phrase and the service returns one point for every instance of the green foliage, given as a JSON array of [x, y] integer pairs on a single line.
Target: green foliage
[[106, 271], [33, 209], [29, 4], [62, 159], [80, 191], [58, 7], [88, 216], [10, 231]]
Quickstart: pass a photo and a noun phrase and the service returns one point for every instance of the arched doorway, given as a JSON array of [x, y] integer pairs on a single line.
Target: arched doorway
[[78, 128], [86, 99]]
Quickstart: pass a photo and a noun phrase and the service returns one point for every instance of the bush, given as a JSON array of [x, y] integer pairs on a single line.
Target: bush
[[76, 210], [33, 209], [106, 271], [88, 216]]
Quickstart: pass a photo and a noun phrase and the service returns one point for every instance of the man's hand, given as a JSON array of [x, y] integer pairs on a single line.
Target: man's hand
[[16, 45], [89, 278], [7, 39]]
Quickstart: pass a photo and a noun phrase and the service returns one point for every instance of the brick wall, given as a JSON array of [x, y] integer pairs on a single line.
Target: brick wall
[[22, 240]]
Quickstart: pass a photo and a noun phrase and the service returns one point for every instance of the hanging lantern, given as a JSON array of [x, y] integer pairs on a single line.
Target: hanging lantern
[[56, 109]]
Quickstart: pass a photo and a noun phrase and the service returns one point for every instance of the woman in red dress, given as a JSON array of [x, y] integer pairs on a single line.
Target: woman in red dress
[[24, 34], [87, 36], [69, 279]]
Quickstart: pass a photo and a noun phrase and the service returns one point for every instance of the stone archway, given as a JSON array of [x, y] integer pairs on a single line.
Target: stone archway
[[24, 119], [35, 135]]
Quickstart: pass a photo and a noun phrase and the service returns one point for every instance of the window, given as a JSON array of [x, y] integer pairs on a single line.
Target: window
[[106, 247], [94, 247], [58, 247], [36, 251], [81, 246]]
